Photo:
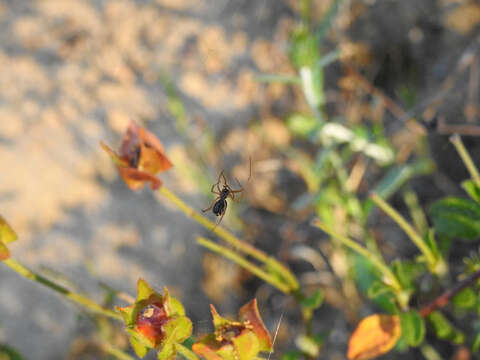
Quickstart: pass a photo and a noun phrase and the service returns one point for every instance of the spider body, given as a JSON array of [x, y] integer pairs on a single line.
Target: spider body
[[219, 205]]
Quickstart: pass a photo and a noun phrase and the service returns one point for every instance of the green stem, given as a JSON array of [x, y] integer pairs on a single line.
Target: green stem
[[185, 352], [467, 160], [409, 230], [374, 259], [242, 246], [229, 254], [416, 212], [119, 354], [77, 298]]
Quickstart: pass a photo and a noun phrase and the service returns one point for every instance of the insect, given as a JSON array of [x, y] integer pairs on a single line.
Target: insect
[[219, 205]]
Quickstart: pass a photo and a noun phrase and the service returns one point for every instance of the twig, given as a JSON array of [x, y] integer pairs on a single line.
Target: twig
[[444, 299]]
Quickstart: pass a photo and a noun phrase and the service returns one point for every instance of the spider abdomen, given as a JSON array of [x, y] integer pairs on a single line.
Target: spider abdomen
[[220, 207]]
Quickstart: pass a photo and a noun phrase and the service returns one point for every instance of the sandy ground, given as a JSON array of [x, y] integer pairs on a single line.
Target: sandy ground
[[75, 72]]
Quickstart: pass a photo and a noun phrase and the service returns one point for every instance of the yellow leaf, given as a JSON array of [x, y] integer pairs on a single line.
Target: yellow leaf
[[374, 336], [7, 235]]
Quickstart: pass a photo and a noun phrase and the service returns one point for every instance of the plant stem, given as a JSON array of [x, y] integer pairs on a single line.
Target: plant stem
[[119, 354], [409, 230], [185, 352], [229, 254], [242, 246], [444, 299], [77, 298], [374, 259], [467, 160]]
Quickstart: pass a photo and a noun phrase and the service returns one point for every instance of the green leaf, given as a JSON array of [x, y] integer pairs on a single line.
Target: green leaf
[[476, 343], [413, 327], [444, 329], [246, 345], [396, 177], [314, 301], [140, 338], [307, 345], [465, 299], [378, 288], [178, 330], [292, 355], [309, 304], [277, 78], [404, 273], [7, 235], [8, 353], [174, 307], [144, 291], [456, 218], [302, 125], [304, 51], [432, 242], [140, 349], [472, 189]]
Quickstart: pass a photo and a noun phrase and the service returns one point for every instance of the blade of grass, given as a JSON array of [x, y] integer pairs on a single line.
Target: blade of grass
[[254, 269]]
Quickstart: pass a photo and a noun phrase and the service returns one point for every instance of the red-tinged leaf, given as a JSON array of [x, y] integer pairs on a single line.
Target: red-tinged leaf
[[152, 153], [235, 340], [150, 322], [207, 348], [7, 235], [249, 312], [218, 321], [374, 336], [140, 158], [4, 252], [155, 321], [136, 179]]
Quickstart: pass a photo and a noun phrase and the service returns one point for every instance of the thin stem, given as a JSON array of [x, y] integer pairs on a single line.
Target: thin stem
[[77, 298], [242, 246], [186, 352], [444, 299], [112, 350], [229, 254], [467, 160], [409, 230], [374, 259]]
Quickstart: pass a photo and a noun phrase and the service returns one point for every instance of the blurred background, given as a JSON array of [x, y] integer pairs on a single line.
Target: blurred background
[[220, 82]]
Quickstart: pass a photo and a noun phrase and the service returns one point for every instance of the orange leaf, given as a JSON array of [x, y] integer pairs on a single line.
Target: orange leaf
[[374, 336], [249, 312], [135, 179], [140, 158]]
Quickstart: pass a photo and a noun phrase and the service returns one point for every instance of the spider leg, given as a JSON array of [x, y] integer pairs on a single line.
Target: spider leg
[[211, 206], [232, 196], [238, 190], [223, 177]]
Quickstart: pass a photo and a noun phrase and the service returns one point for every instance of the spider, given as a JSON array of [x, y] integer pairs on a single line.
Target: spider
[[219, 205]]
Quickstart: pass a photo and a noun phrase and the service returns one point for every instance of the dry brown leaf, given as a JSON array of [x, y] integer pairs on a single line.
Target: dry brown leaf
[[464, 18], [375, 335]]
